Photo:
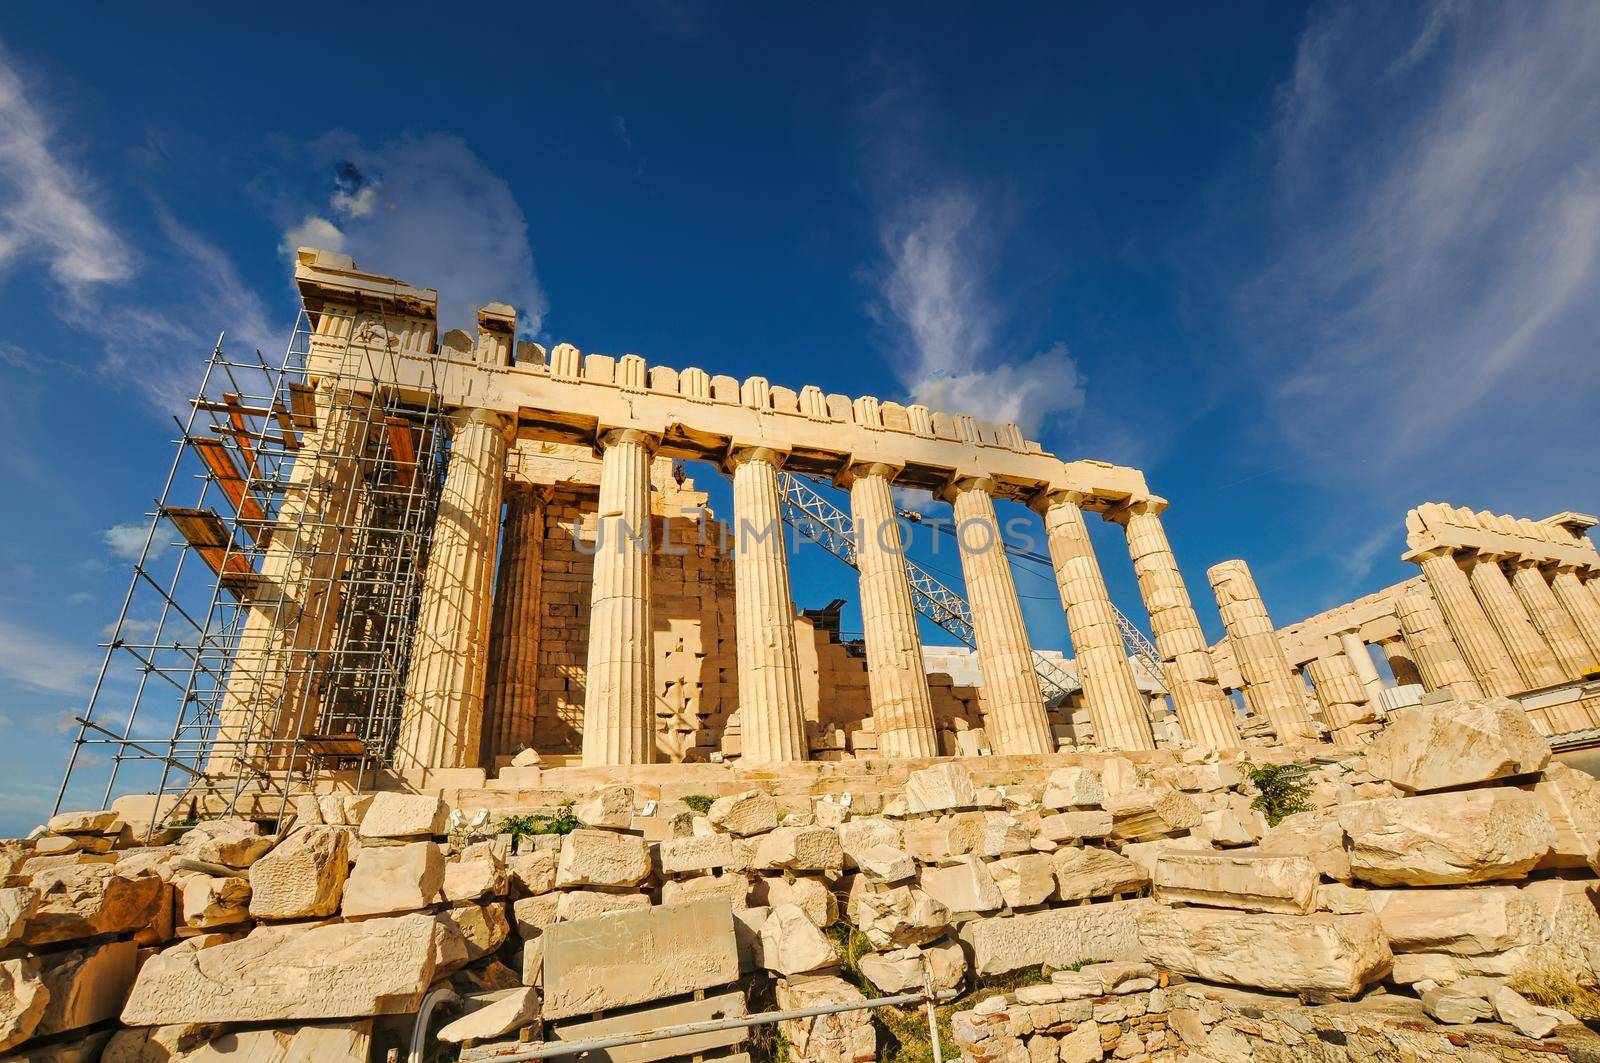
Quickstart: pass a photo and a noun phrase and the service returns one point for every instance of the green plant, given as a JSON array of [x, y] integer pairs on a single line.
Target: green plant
[[561, 821], [700, 803], [1281, 789]]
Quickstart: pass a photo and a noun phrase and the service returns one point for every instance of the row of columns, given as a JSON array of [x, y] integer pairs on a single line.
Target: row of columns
[[1512, 635], [443, 725]]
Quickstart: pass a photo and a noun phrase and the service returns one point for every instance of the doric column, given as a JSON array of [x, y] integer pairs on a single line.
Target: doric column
[[441, 723], [1109, 689], [1341, 693], [512, 693], [619, 685], [1469, 626], [1534, 661], [1204, 711], [1400, 661], [1271, 689], [1552, 620], [771, 714], [293, 613], [1439, 661], [1355, 648], [1017, 720], [897, 681], [1583, 607]]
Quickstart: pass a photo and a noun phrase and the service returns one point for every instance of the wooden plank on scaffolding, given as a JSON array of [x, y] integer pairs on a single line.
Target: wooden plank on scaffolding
[[241, 432], [204, 530], [338, 745], [402, 450], [221, 465], [303, 405]]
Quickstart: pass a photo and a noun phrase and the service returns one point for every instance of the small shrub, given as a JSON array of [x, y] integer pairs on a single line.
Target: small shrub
[[562, 821], [1281, 790], [700, 803]]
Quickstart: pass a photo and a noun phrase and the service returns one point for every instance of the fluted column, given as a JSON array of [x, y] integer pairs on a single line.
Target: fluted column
[[512, 693], [1469, 626], [1109, 689], [1580, 604], [1271, 689], [1439, 660], [1401, 662], [1017, 720], [897, 682], [441, 723], [1534, 661], [270, 692], [1355, 648], [1553, 621], [619, 683], [1204, 711], [1342, 695], [771, 713]]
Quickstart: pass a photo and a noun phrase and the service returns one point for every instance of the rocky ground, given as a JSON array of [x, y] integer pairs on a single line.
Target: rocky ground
[[1113, 911]]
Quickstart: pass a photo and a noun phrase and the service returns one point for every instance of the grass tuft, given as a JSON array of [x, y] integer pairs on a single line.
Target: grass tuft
[[1551, 987]]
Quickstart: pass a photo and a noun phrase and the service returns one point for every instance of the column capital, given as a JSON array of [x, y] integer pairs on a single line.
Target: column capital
[[1047, 498], [610, 437], [859, 470], [741, 453], [1151, 506], [959, 484], [1427, 553], [465, 415]]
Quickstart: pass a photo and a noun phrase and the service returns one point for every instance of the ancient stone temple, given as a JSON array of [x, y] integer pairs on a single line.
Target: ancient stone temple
[[485, 732]]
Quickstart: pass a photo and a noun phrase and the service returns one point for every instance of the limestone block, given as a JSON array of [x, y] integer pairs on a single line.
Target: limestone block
[[1571, 799], [1462, 922], [1082, 1045], [810, 895], [901, 970], [941, 788], [897, 916], [86, 900], [1517, 1012], [1317, 836], [85, 986], [792, 944], [96, 822], [1139, 814], [483, 928], [1024, 881], [1087, 872], [586, 904], [16, 904], [1454, 743], [841, 1037], [1145, 854], [212, 902], [1252, 882], [230, 842], [609, 808], [507, 1013], [885, 863], [394, 878], [475, 875], [396, 815], [734, 885], [533, 873], [705, 852], [744, 814], [602, 858], [633, 957], [1072, 826], [1004, 834], [533, 914], [288, 972], [1446, 839], [1073, 788], [1060, 937], [23, 999], [1227, 828], [1319, 953], [800, 849], [1455, 1008], [303, 876], [944, 838], [962, 887]]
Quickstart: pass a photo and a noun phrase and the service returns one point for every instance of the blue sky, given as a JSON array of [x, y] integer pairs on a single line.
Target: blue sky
[[1305, 266]]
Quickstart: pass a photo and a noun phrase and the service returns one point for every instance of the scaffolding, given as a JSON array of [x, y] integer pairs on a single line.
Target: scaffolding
[[265, 631]]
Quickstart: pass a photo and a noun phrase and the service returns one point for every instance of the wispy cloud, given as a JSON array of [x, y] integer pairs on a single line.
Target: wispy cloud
[[1433, 296], [39, 662], [404, 207], [934, 290], [126, 541], [47, 212]]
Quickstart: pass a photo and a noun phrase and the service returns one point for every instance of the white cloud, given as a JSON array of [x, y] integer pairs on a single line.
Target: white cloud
[[1434, 298], [45, 208], [427, 210], [40, 662], [127, 540]]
